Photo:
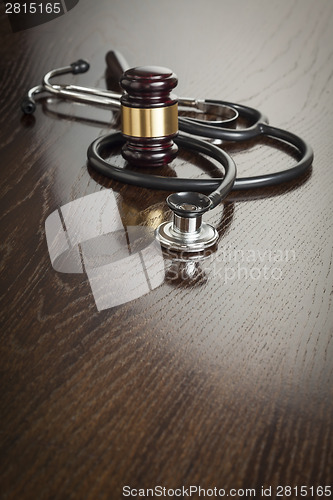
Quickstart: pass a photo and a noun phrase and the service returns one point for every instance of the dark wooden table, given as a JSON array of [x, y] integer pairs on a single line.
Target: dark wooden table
[[215, 374]]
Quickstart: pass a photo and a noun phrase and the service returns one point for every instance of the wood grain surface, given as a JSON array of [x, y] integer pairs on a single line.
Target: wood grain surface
[[210, 379]]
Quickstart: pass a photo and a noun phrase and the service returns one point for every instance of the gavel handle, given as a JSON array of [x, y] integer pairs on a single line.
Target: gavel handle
[[116, 65]]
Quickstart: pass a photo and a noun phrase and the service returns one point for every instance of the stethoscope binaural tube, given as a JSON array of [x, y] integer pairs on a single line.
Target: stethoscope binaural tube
[[304, 162], [203, 185]]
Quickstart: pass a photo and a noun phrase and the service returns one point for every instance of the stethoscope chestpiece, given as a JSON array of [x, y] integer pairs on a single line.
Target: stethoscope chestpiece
[[187, 232]]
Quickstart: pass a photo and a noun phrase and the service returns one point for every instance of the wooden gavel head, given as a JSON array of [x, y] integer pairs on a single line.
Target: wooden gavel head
[[149, 116]]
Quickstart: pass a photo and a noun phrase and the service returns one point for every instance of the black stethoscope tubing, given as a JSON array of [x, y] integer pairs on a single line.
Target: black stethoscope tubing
[[217, 188], [258, 129], [208, 129]]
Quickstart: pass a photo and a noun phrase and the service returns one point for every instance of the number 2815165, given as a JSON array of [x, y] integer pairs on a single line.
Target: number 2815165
[[33, 8]]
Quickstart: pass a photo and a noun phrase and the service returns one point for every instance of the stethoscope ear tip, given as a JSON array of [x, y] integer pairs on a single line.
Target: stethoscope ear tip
[[28, 106], [80, 66]]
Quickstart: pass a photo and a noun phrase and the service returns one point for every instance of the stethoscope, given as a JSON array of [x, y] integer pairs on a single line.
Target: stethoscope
[[187, 232]]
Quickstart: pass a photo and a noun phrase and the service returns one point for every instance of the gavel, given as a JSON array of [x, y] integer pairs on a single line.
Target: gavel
[[149, 116]]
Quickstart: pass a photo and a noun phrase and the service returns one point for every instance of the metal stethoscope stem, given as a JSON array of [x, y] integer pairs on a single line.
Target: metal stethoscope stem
[[225, 115], [86, 95]]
